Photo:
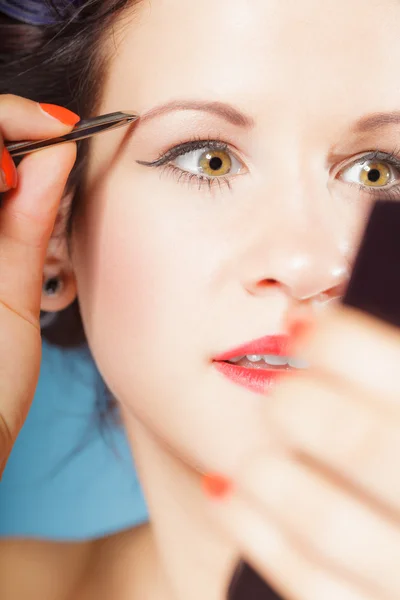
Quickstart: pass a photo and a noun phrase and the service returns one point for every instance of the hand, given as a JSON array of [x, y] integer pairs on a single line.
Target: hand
[[317, 511], [27, 215]]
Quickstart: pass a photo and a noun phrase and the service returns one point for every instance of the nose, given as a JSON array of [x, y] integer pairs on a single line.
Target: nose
[[307, 264]]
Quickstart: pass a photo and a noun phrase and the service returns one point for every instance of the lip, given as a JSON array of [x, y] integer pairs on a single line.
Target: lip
[[261, 381], [270, 344]]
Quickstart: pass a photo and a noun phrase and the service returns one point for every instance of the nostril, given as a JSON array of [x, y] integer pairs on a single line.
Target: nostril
[[262, 286], [267, 283]]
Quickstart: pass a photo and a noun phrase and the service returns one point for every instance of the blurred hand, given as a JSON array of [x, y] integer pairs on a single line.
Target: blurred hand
[[317, 511]]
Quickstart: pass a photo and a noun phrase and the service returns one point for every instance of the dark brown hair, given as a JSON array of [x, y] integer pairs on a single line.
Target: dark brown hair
[[61, 64]]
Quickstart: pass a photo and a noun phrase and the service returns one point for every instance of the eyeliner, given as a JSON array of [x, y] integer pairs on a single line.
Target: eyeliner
[[184, 148]]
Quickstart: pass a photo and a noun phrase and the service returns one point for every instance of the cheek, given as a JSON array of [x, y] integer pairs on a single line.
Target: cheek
[[143, 279]]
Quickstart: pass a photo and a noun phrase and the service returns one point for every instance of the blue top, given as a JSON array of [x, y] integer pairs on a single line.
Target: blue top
[[69, 477]]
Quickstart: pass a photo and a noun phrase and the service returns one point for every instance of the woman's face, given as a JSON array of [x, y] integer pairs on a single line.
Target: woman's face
[[213, 246]]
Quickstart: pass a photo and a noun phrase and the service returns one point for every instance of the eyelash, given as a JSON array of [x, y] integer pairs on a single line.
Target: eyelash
[[164, 162], [393, 159]]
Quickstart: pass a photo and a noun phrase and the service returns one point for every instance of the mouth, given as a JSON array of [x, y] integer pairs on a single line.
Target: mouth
[[258, 365]]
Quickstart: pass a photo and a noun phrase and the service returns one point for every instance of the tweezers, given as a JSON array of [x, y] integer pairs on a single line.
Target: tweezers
[[83, 129]]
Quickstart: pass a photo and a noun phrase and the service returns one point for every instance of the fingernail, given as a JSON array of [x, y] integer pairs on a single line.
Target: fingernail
[[60, 113], [246, 584], [216, 486], [9, 170], [298, 330]]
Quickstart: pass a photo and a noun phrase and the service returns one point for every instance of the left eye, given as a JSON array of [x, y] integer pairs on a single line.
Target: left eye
[[209, 162], [371, 173]]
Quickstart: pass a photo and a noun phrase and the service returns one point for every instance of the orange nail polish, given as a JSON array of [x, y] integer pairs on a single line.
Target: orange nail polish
[[298, 329], [60, 113], [9, 169], [216, 486]]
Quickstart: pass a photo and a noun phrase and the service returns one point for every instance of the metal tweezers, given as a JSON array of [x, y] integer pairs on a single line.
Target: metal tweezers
[[84, 129]]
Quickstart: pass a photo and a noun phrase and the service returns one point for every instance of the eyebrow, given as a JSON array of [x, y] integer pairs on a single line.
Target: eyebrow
[[221, 109], [377, 121], [231, 114]]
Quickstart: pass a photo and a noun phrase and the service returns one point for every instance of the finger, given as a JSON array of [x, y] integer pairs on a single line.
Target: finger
[[8, 171], [349, 434], [26, 220], [356, 349], [23, 119], [282, 562], [335, 531]]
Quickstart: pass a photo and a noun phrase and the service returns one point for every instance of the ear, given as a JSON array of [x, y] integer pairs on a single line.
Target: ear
[[58, 266]]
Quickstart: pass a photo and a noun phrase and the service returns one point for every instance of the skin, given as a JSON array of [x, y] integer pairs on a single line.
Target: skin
[[169, 276], [173, 270]]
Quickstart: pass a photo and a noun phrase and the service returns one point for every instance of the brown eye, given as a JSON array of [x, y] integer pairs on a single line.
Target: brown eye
[[375, 174], [209, 162], [371, 173], [215, 163]]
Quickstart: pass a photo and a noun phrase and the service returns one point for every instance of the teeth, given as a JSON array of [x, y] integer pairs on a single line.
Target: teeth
[[299, 363], [276, 360]]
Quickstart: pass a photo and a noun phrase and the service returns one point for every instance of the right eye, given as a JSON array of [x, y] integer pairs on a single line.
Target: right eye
[[209, 162]]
